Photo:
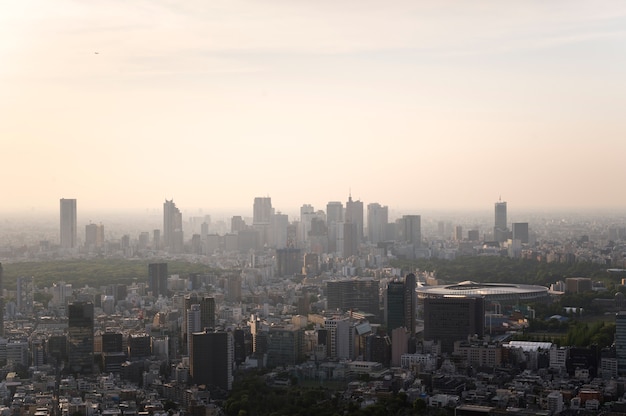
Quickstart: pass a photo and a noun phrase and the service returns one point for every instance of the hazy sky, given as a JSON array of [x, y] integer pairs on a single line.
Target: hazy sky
[[412, 104]]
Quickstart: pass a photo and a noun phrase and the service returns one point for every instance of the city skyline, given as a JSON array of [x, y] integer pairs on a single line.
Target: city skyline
[[420, 106]]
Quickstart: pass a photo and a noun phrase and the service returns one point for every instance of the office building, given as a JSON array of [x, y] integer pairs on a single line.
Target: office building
[[288, 262], [520, 231], [354, 294], [458, 233], [207, 312], [453, 318], [354, 215], [80, 337], [172, 227], [262, 213], [194, 323], [157, 279], [25, 288], [211, 359], [68, 224], [94, 236], [334, 217], [262, 210], [401, 304], [412, 229], [500, 230], [280, 224], [377, 219], [285, 346]]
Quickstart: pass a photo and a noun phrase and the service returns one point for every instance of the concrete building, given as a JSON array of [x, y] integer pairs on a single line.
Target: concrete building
[[68, 225], [211, 359], [449, 319]]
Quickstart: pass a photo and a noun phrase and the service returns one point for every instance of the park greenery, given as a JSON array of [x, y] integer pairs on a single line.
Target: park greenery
[[93, 272], [498, 269], [253, 396]]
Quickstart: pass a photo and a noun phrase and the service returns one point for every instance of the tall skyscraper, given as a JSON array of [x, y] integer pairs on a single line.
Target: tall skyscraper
[[157, 279], [451, 318], [211, 359], [80, 337], [361, 294], [172, 227], [262, 218], [262, 210], [412, 231], [401, 304], [377, 219], [334, 217], [94, 236], [68, 223], [207, 312], [500, 230], [194, 323], [520, 231], [354, 215]]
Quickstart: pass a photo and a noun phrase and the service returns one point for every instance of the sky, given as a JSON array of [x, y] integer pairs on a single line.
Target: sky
[[418, 105]]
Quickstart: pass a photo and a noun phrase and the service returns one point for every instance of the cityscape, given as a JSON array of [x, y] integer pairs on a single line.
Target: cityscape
[[344, 298], [320, 208]]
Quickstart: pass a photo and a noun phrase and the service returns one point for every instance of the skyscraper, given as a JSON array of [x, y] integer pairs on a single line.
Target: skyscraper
[[157, 279], [412, 231], [68, 223], [377, 219], [262, 213], [452, 318], [520, 231], [80, 337], [172, 227], [207, 312], [334, 217], [211, 359], [500, 230], [94, 236], [262, 210], [194, 323], [401, 304], [354, 215]]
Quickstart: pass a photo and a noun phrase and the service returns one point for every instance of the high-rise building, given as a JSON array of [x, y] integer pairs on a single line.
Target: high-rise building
[[262, 210], [520, 231], [262, 213], [80, 337], [157, 279], [354, 215], [285, 346], [194, 323], [620, 342], [500, 230], [401, 304], [172, 227], [68, 223], [377, 219], [334, 217], [361, 294], [412, 229], [211, 359], [25, 288], [451, 318], [207, 312], [94, 236]]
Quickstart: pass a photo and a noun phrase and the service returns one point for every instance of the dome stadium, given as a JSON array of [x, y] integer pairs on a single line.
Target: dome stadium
[[503, 293]]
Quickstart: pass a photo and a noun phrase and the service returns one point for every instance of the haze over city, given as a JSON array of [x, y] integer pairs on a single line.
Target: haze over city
[[419, 106]]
